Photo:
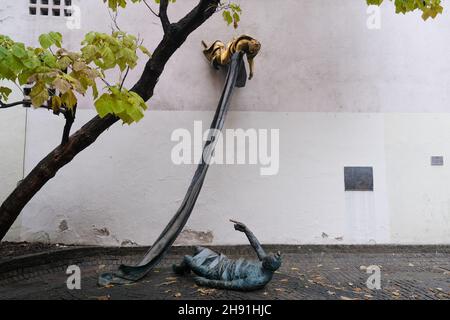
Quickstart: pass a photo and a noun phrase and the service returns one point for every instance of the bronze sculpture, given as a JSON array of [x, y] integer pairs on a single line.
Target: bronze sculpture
[[129, 274], [219, 54], [232, 58], [216, 270]]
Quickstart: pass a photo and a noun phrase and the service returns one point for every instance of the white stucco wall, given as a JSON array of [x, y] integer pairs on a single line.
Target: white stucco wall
[[340, 94], [12, 142], [12, 148]]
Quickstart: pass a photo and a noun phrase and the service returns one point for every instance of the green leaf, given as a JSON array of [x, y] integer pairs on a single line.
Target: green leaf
[[64, 62], [4, 93], [79, 65], [126, 105], [94, 90], [62, 85], [56, 38], [103, 105], [118, 106], [31, 62], [3, 52], [39, 94], [56, 103], [108, 58], [45, 41], [236, 19], [145, 51], [18, 50], [227, 17], [429, 8], [69, 99]]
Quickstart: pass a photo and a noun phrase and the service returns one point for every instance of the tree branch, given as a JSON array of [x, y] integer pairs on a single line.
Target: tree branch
[[10, 105], [150, 8], [171, 41], [113, 16], [163, 15], [69, 115], [26, 104], [124, 78], [84, 137]]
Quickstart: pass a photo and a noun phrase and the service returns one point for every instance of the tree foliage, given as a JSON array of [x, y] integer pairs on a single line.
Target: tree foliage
[[429, 8], [52, 69], [67, 73]]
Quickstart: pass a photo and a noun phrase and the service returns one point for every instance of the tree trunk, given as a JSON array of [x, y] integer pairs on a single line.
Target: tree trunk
[[174, 37]]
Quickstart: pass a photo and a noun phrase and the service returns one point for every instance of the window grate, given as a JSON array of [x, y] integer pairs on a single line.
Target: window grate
[[50, 8]]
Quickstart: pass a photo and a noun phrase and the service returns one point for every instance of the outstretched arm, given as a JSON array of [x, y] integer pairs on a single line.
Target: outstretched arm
[[239, 226]]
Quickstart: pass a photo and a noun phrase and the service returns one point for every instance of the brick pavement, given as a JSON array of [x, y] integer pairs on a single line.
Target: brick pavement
[[308, 272]]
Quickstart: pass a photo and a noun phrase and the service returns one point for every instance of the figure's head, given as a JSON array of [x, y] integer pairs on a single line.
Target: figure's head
[[253, 48], [272, 262]]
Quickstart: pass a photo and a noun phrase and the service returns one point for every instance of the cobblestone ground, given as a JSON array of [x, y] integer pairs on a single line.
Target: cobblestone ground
[[307, 273]]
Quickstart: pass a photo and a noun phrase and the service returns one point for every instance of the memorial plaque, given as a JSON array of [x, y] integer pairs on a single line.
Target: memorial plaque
[[437, 161], [358, 178]]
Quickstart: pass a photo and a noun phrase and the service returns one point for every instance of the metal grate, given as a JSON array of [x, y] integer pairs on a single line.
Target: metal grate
[[50, 8]]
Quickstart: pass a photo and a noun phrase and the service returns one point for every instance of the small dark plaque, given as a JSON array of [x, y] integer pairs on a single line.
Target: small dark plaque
[[437, 161], [358, 178]]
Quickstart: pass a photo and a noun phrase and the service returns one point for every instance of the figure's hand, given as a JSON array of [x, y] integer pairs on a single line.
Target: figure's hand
[[239, 226]]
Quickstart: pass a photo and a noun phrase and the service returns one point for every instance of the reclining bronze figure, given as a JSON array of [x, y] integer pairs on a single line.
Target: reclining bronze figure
[[216, 270]]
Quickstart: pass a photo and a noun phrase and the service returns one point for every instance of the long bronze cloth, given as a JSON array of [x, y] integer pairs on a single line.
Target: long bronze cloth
[[128, 274]]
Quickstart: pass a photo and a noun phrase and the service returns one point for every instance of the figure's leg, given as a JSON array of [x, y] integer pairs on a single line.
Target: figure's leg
[[183, 268], [238, 285], [199, 249], [198, 270], [251, 65]]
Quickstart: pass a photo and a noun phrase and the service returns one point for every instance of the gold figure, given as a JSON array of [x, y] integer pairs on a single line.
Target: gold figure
[[220, 55]]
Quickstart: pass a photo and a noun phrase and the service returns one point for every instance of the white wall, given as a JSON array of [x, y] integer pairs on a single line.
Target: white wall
[[419, 193], [341, 95], [12, 144], [12, 147]]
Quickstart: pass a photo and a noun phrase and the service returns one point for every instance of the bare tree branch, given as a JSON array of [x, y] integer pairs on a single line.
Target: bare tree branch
[[163, 15], [69, 115], [150, 8], [171, 41], [13, 104], [124, 78], [113, 16], [27, 104]]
